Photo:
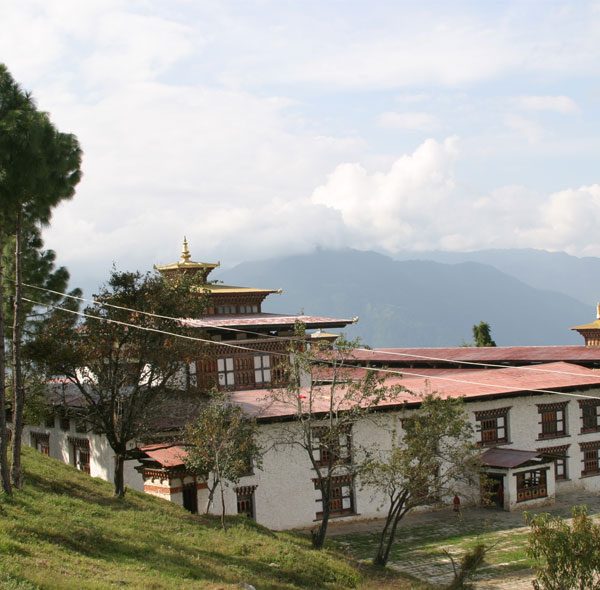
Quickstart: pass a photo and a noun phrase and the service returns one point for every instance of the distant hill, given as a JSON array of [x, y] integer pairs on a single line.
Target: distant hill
[[414, 302], [557, 271]]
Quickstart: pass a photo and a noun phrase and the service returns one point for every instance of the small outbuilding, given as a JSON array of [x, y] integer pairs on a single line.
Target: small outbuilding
[[515, 479]]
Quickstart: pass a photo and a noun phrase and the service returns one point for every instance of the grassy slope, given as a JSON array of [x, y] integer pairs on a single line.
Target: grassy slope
[[65, 530]]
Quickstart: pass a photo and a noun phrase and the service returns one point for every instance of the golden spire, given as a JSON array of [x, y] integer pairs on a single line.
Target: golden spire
[[185, 252], [598, 312]]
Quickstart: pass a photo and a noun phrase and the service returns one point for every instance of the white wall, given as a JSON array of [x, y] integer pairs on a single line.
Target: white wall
[[285, 496], [524, 429], [102, 458]]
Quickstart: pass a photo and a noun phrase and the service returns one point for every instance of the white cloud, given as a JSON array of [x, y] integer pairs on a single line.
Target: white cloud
[[398, 208], [207, 119], [557, 104], [526, 128], [419, 205], [414, 121]]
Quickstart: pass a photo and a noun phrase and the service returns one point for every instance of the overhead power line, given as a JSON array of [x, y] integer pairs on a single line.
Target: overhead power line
[[181, 321], [318, 362]]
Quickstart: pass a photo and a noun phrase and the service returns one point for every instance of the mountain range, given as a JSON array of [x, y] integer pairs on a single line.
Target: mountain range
[[529, 297]]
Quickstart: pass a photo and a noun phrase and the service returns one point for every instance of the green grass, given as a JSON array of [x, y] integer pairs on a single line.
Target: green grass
[[426, 543], [66, 530]]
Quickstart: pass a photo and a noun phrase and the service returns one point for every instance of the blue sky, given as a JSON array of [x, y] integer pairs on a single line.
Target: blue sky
[[272, 127]]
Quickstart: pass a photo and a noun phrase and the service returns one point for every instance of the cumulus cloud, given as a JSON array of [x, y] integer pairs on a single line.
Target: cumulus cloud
[[418, 204], [413, 121], [192, 123]]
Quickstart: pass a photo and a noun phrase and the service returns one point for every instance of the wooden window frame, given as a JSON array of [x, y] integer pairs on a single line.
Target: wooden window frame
[[342, 489], [532, 484], [590, 411], [591, 458], [81, 451], [263, 370], [553, 420], [226, 371], [342, 452], [40, 441], [561, 463], [492, 427], [246, 503]]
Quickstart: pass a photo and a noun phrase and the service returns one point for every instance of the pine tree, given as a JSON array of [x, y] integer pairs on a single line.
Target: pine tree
[[39, 167]]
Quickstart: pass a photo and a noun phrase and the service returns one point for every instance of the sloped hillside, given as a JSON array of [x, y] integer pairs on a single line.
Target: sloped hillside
[[65, 530]]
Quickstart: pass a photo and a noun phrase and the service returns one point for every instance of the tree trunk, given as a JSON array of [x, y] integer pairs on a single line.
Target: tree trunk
[[379, 556], [222, 504], [211, 495], [388, 535], [4, 469], [119, 479], [18, 392], [318, 538]]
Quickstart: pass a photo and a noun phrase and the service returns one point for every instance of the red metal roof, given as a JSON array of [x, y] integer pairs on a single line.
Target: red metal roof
[[508, 458], [480, 354], [167, 454], [265, 320], [467, 383]]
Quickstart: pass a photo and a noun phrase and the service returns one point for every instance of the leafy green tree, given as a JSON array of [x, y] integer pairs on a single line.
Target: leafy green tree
[[567, 556], [124, 374], [221, 447], [326, 401], [39, 167], [482, 335], [434, 460]]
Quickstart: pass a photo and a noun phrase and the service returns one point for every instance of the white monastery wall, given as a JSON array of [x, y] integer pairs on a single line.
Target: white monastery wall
[[285, 495], [102, 458], [524, 431]]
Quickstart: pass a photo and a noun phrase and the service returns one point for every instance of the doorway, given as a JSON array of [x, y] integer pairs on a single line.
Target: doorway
[[492, 490], [190, 497]]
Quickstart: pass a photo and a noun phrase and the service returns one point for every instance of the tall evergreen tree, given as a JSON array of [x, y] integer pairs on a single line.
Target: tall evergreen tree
[[39, 167]]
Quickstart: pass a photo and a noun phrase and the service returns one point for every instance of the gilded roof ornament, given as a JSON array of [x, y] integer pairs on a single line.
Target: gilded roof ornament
[[185, 251]]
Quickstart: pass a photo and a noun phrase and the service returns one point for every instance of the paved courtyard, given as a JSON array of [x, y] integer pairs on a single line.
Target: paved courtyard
[[423, 537]]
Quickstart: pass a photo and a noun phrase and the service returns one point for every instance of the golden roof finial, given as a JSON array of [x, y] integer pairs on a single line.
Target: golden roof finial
[[598, 312], [185, 252]]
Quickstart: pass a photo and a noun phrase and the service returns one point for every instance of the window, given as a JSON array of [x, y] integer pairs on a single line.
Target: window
[[41, 442], [559, 454], [590, 415], [80, 448], [226, 372], [245, 500], [226, 309], [553, 420], [332, 445], [531, 485], [341, 502], [262, 368], [492, 426], [591, 459]]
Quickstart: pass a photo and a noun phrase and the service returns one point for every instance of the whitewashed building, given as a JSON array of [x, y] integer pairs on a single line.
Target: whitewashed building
[[539, 422]]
